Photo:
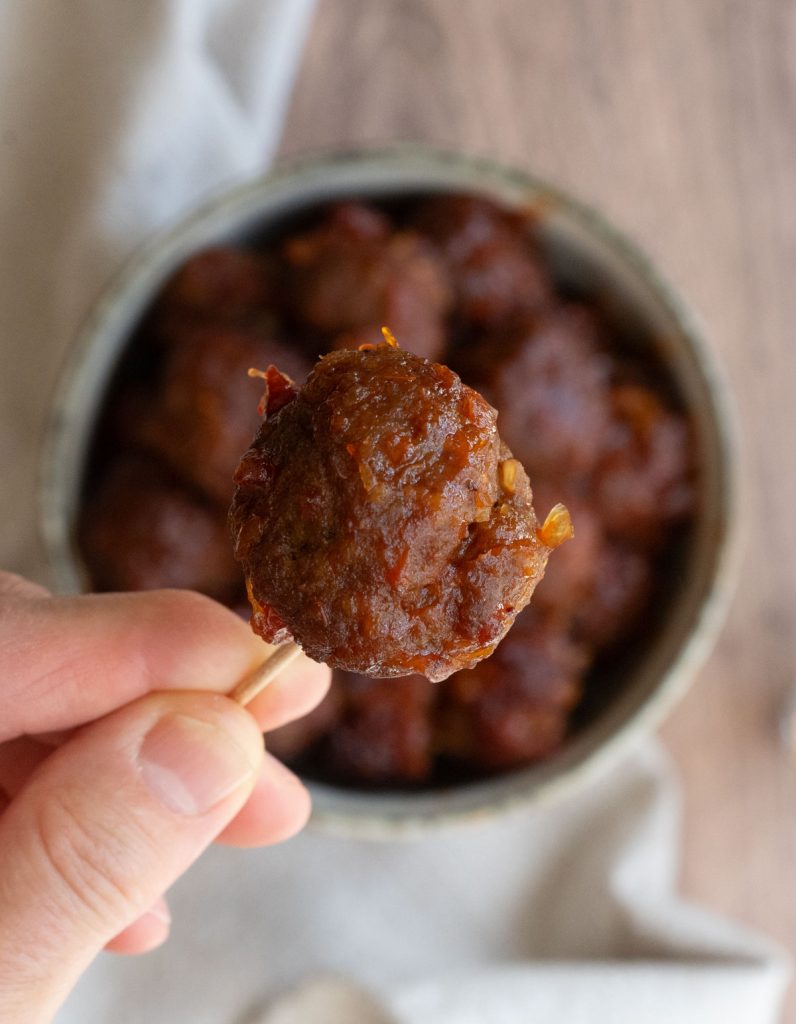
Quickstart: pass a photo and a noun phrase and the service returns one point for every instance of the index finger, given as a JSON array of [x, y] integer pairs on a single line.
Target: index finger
[[67, 661]]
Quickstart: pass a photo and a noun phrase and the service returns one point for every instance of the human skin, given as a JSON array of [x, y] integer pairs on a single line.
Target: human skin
[[121, 760]]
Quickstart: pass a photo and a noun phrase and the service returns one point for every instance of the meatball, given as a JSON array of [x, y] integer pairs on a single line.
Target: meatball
[[384, 731], [225, 283], [513, 707], [643, 483], [352, 274], [491, 256], [382, 522], [205, 411], [142, 530], [549, 378], [596, 586], [569, 580], [619, 594]]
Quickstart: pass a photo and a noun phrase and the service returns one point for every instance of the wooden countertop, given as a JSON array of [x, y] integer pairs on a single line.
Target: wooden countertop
[[678, 120]]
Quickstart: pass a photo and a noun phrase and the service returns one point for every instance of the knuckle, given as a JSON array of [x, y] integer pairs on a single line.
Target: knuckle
[[189, 603], [184, 610], [87, 860]]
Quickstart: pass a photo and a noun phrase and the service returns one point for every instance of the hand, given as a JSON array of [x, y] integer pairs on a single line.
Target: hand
[[120, 762]]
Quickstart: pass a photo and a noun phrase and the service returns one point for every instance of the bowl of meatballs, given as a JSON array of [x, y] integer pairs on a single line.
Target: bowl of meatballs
[[605, 395]]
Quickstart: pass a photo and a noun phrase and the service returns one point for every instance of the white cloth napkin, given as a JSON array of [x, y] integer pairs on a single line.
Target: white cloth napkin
[[566, 914], [114, 119]]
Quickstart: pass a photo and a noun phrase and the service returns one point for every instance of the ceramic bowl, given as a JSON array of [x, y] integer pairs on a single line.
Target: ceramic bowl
[[587, 254]]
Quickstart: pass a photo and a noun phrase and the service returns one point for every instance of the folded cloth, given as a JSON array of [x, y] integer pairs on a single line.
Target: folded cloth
[[562, 914], [115, 118]]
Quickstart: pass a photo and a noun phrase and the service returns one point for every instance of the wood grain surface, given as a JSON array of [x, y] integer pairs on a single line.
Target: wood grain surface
[[678, 120]]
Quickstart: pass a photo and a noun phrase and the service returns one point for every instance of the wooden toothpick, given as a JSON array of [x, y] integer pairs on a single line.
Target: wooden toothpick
[[248, 688]]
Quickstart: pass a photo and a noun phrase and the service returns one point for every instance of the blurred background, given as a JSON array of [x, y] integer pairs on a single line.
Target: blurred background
[[677, 121]]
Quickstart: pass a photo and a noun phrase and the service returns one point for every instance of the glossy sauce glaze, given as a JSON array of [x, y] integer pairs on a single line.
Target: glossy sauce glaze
[[380, 517]]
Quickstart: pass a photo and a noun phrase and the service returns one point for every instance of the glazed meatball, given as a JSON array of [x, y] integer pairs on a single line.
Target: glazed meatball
[[225, 283], [513, 708], [619, 594], [643, 482], [384, 731], [352, 274], [491, 256], [569, 579], [382, 522], [549, 378], [595, 586], [142, 530], [205, 412]]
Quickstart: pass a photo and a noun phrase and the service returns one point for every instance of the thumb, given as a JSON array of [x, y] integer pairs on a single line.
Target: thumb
[[104, 826]]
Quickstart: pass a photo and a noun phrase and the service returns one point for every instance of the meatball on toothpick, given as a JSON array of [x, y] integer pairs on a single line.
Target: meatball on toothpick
[[380, 519]]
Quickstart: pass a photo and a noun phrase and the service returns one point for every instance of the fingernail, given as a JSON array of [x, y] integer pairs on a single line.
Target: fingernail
[[190, 766]]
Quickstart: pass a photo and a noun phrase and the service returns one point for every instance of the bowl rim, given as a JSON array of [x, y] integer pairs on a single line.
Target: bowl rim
[[401, 815]]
